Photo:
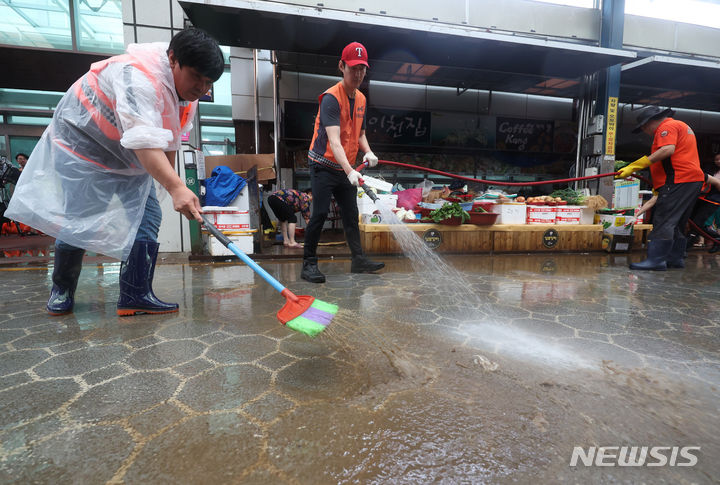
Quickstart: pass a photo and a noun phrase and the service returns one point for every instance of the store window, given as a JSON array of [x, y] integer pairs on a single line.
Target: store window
[[22, 144], [47, 24], [23, 99], [217, 132], [698, 12], [36, 23], [218, 140], [572, 3], [100, 27], [29, 120]]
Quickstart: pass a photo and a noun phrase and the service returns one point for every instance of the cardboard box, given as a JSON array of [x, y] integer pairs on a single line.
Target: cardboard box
[[626, 194], [510, 213], [228, 218], [617, 224], [241, 163], [371, 219], [614, 243]]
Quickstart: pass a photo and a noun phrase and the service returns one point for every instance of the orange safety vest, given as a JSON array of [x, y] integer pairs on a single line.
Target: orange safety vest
[[684, 164], [350, 128], [102, 109]]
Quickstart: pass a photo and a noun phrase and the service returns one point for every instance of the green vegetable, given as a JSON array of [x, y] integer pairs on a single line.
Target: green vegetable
[[572, 197], [620, 164], [449, 210]]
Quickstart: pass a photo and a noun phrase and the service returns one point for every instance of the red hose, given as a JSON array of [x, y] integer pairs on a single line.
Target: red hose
[[490, 182], [544, 182], [703, 233]]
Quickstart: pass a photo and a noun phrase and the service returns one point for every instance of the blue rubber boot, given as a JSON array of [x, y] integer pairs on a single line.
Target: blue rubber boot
[[68, 264], [657, 255], [676, 258], [136, 275]]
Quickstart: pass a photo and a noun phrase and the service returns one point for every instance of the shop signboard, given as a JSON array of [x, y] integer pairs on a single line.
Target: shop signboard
[[463, 130], [381, 125], [523, 135], [432, 238], [550, 238], [398, 127]]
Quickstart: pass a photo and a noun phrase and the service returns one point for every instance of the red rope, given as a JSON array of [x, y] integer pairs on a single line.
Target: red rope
[[490, 182], [703, 233]]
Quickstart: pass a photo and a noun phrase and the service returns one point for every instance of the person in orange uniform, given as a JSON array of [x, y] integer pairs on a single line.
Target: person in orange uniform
[[339, 133], [677, 178]]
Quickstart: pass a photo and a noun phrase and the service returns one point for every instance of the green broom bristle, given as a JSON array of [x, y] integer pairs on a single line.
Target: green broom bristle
[[303, 325], [315, 319], [325, 306]]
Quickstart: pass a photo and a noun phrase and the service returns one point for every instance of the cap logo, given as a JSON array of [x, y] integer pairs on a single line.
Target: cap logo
[[664, 133], [359, 51]]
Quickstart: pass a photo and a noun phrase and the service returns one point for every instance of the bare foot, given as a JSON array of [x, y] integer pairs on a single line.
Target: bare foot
[[295, 245]]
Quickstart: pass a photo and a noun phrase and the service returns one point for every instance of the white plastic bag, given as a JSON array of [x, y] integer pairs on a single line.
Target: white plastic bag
[[426, 186]]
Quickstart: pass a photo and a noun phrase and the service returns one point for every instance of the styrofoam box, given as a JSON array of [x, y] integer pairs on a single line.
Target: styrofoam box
[[510, 213], [242, 201], [228, 218], [367, 206], [587, 215], [568, 214], [244, 242], [541, 214]]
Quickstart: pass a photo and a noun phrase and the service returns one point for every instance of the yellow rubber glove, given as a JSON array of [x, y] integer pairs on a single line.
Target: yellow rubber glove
[[636, 166]]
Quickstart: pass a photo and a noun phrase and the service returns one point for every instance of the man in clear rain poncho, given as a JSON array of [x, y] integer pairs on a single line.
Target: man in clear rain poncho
[[90, 180]]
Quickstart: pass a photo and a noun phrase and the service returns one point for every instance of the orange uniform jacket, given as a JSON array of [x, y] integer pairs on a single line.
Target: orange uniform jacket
[[350, 129], [684, 164]]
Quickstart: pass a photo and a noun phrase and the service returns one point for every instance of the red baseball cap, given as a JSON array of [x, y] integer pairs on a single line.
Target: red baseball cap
[[355, 53]]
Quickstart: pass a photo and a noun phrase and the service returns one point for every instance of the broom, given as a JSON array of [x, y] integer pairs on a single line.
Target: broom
[[302, 313]]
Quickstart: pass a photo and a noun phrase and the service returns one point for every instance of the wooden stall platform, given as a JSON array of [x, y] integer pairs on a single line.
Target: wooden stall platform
[[503, 238]]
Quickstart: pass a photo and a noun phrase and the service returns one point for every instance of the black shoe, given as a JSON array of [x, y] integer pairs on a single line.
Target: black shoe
[[310, 271], [361, 264], [715, 248]]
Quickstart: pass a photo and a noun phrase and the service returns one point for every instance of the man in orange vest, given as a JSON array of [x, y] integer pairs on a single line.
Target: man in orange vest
[[339, 133], [90, 181], [677, 178]]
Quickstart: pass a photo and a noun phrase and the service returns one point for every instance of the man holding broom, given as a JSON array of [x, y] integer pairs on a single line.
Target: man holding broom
[[339, 132], [90, 180]]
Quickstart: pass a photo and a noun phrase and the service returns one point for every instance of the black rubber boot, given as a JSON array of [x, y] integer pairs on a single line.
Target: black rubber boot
[[362, 264], [310, 271], [136, 276], [676, 258], [657, 254], [68, 264]]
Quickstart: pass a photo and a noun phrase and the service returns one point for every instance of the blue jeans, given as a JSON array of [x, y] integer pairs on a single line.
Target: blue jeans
[[149, 225]]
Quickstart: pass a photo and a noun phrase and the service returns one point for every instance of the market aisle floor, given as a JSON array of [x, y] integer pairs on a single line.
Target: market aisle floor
[[493, 377]]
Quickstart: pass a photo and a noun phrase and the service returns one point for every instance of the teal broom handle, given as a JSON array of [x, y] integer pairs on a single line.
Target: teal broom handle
[[246, 259]]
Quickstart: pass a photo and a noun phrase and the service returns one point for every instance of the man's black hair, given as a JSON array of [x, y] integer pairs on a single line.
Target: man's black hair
[[23, 154], [195, 48]]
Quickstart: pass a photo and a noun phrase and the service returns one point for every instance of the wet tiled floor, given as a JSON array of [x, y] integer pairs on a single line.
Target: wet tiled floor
[[493, 375]]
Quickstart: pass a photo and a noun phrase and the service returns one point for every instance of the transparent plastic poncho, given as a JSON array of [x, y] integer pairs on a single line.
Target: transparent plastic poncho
[[83, 183]]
